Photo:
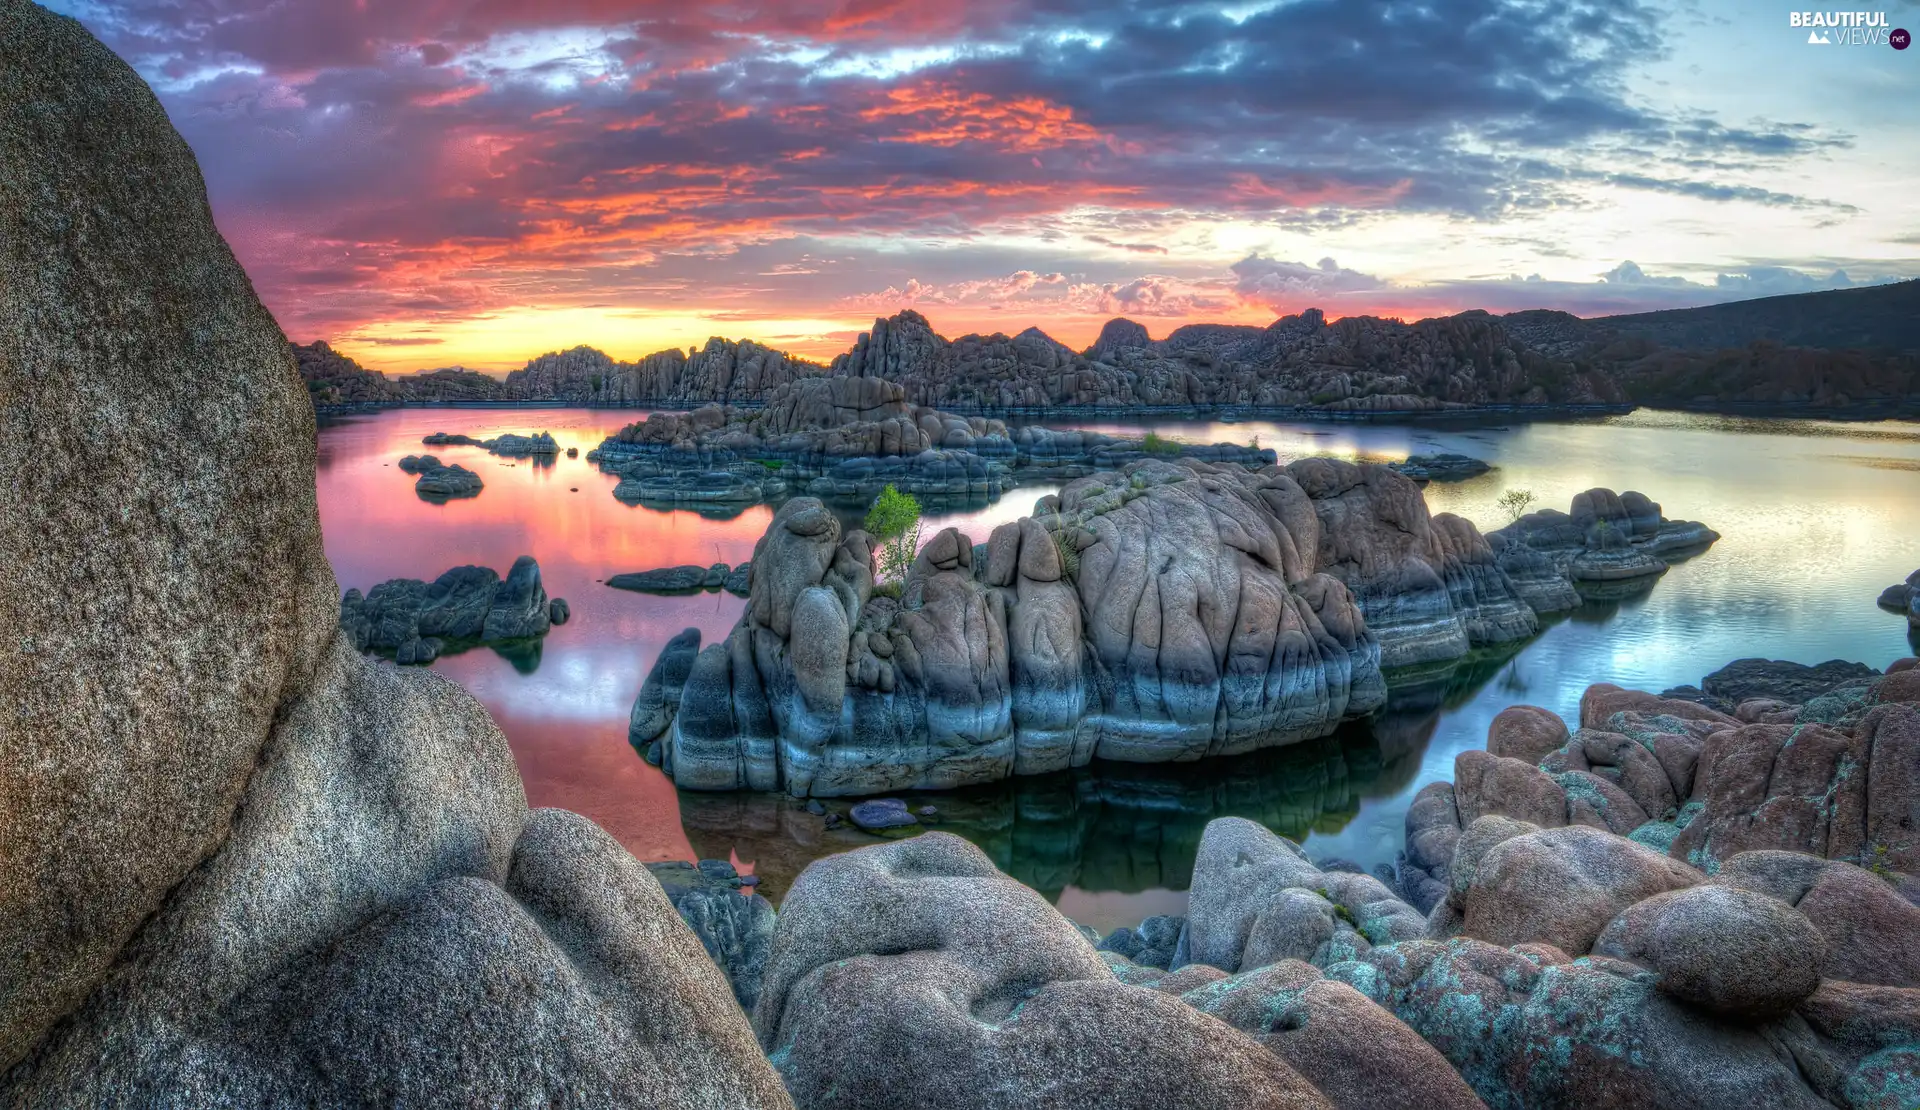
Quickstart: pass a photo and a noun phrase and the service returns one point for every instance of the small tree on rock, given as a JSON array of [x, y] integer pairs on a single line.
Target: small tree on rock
[[894, 520], [1515, 503]]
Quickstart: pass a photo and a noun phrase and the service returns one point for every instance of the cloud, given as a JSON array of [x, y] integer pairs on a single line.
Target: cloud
[[432, 163]]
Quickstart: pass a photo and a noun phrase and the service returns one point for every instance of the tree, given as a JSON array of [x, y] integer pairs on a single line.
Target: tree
[[1516, 502], [894, 520]]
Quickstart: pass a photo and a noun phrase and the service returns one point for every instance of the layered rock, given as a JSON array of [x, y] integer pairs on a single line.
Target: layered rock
[[417, 621], [245, 865], [1163, 613], [1609, 544]]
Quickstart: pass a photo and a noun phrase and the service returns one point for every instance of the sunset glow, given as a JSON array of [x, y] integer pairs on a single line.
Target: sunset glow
[[474, 183]]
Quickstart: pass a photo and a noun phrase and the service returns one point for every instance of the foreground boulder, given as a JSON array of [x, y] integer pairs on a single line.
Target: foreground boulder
[[1904, 598], [915, 974], [245, 865]]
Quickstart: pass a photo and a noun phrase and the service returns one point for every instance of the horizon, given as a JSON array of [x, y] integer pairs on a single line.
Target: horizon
[[443, 184]]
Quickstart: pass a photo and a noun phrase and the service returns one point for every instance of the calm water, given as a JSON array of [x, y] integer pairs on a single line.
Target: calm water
[[1817, 518]]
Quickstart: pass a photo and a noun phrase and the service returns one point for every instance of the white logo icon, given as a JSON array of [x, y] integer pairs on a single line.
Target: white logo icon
[[1818, 38]]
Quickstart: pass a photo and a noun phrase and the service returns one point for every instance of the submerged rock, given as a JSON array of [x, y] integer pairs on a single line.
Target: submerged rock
[[244, 865], [1441, 467], [882, 814], [668, 580]]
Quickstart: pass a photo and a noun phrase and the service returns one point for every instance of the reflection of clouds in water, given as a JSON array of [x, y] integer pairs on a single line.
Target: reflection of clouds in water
[[1811, 536]]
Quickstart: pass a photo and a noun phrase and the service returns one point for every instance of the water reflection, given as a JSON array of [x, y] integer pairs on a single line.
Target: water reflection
[[1816, 519]]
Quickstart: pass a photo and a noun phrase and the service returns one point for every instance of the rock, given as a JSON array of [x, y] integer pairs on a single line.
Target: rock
[[1849, 789], [1432, 837], [735, 928], [886, 813], [1871, 934], [1256, 899], [739, 580], [445, 482], [558, 611], [1526, 1029], [1357, 1054], [255, 868], [669, 580], [1153, 944], [1526, 733], [1904, 598], [659, 700], [1562, 887], [418, 620], [1778, 680], [1441, 467], [1476, 840], [1743, 956], [892, 956]]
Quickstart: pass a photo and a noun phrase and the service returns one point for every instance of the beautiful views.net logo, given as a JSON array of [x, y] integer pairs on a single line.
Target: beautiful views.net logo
[[1846, 28]]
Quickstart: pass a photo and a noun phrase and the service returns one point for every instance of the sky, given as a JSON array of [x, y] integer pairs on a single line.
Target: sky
[[429, 183]]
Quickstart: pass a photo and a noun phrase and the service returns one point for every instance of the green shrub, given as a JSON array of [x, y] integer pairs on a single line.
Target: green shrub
[[1515, 503], [894, 520], [1154, 444], [773, 464], [1069, 555]]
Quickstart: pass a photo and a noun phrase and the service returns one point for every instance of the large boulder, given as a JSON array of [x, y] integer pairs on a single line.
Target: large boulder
[[915, 974], [1562, 886], [245, 865], [1741, 955], [1871, 933]]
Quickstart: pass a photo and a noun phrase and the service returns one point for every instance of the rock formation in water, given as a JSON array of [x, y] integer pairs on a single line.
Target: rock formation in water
[[686, 579], [438, 481], [1904, 598], [1164, 612], [915, 974], [1608, 546], [1567, 968], [734, 924], [243, 865], [508, 445], [1359, 364], [845, 438], [418, 621]]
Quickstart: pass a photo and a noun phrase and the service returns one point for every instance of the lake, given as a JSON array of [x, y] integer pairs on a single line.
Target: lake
[[1816, 519]]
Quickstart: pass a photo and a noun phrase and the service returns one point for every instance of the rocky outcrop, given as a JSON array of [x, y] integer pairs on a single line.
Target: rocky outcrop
[[981, 671], [417, 621], [1771, 684], [723, 371], [680, 580], [450, 383], [1904, 599], [1609, 545], [1832, 777], [334, 380], [438, 481], [915, 974], [243, 864], [1357, 365], [1441, 468], [1168, 611]]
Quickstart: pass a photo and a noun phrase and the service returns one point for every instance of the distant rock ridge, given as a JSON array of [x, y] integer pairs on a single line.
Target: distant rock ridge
[[1721, 356]]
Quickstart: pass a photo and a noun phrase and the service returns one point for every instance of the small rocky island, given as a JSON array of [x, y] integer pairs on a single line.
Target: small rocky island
[[509, 445], [438, 481], [417, 622], [1904, 598], [1170, 610], [843, 439]]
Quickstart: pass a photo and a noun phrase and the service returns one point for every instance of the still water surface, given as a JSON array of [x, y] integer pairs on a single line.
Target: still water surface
[[1816, 517]]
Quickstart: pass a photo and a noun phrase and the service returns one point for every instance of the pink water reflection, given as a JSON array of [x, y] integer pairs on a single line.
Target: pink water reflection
[[567, 720]]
